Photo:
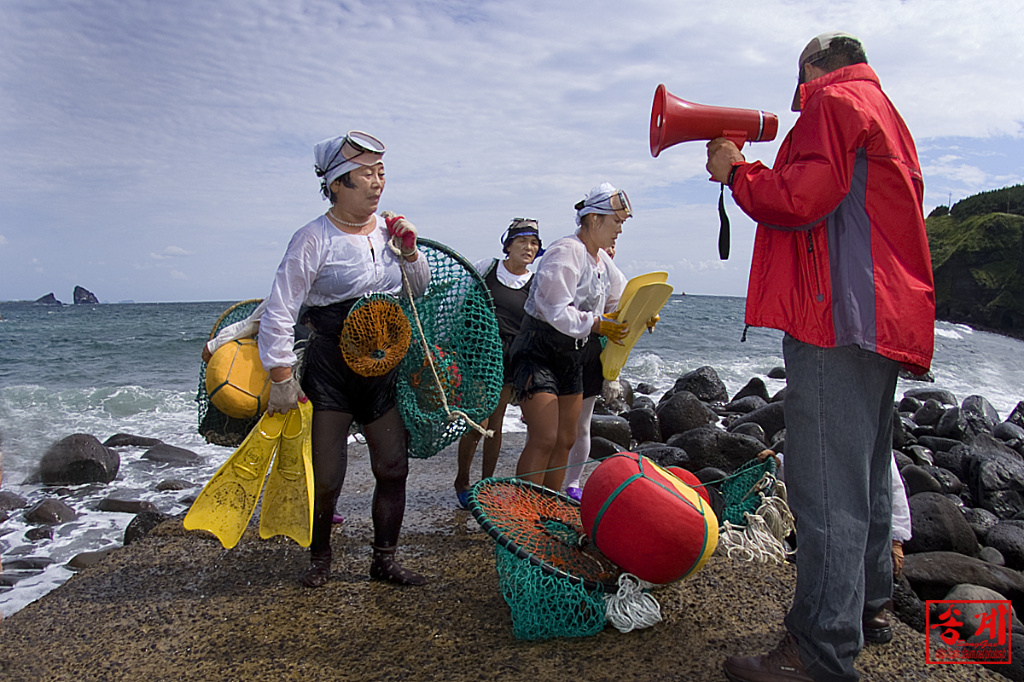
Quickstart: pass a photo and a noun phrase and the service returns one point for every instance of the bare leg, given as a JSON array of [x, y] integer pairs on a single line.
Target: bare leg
[[568, 416], [550, 433], [492, 445], [540, 411], [467, 448]]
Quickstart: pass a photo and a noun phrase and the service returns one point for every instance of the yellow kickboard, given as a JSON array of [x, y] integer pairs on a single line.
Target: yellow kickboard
[[288, 499], [639, 281], [226, 503], [635, 311]]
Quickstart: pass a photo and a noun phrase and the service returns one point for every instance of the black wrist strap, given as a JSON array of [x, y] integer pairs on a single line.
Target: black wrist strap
[[723, 231], [732, 175]]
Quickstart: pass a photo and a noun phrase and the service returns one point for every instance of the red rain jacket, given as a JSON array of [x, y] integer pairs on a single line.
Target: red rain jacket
[[841, 255]]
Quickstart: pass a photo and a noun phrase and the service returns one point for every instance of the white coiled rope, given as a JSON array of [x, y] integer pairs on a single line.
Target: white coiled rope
[[761, 540], [632, 607]]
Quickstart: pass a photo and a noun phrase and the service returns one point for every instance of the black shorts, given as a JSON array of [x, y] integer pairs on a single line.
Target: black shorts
[[593, 374], [544, 360], [330, 383], [506, 358]]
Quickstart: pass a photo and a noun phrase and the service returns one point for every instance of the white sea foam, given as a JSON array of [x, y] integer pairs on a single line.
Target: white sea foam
[[148, 388]]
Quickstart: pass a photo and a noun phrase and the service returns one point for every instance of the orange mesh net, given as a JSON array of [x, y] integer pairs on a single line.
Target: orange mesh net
[[544, 527], [555, 582], [375, 336]]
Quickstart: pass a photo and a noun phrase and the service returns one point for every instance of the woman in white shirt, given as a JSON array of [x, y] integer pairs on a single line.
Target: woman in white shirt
[[575, 286], [330, 264], [509, 282]]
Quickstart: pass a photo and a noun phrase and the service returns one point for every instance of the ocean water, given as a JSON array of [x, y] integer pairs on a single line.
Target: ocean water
[[134, 368]]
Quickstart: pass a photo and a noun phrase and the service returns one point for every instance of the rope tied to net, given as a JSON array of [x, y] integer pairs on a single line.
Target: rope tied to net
[[455, 414], [760, 537], [632, 607]]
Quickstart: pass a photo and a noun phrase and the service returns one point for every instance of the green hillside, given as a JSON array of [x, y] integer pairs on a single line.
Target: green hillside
[[978, 259]]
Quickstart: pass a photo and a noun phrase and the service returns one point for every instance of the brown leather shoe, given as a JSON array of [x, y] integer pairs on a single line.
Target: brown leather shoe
[[877, 629], [781, 664]]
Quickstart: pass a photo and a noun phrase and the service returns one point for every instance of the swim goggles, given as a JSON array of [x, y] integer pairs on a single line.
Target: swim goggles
[[617, 203], [357, 148]]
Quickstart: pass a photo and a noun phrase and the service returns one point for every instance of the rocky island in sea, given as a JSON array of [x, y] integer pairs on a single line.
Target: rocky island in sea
[[80, 296]]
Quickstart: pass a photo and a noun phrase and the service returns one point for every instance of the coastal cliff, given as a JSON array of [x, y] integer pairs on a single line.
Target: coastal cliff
[[977, 251]]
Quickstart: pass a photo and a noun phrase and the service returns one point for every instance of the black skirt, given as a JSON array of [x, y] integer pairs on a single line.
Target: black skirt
[[544, 360], [327, 379]]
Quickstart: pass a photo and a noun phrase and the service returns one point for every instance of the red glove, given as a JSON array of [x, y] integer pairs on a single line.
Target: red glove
[[399, 226]]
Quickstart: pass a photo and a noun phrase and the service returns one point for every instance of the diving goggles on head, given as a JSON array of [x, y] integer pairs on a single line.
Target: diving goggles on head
[[620, 204], [362, 148], [617, 203], [356, 149]]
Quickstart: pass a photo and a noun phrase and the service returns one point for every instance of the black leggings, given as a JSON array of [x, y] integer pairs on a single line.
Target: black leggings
[[387, 441]]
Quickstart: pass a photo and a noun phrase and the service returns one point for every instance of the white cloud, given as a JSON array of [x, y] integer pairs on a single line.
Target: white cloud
[[195, 122], [171, 252]]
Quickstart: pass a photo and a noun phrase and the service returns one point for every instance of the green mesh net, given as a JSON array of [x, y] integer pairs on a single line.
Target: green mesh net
[[553, 579], [740, 491], [215, 426], [464, 371]]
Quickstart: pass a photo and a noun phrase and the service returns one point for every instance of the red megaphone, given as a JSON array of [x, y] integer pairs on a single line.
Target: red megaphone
[[674, 120]]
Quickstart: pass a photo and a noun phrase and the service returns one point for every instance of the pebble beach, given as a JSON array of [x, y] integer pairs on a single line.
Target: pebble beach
[[175, 605]]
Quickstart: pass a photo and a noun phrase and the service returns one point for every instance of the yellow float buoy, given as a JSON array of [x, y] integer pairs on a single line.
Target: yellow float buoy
[[236, 382]]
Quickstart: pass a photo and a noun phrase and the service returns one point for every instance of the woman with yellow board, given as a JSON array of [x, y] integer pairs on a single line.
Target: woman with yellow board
[[575, 286]]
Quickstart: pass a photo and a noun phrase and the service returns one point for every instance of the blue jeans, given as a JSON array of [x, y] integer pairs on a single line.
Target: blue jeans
[[839, 411]]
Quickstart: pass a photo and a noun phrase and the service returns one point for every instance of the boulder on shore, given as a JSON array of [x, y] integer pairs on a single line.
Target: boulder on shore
[[78, 458]]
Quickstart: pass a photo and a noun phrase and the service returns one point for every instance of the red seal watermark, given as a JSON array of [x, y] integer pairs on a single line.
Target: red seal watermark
[[967, 631]]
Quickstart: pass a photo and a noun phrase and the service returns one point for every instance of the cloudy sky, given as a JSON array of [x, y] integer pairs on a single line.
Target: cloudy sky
[[162, 151]]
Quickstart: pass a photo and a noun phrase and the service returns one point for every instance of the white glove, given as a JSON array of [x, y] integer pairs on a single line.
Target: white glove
[[284, 396]]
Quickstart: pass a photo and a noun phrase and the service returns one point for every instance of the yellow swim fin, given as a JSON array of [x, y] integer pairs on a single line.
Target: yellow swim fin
[[288, 500], [227, 501]]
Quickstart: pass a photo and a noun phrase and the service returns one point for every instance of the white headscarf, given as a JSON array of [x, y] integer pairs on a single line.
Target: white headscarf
[[334, 157], [598, 200]]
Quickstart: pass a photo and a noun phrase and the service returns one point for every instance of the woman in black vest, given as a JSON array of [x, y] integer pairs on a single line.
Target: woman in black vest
[[509, 282]]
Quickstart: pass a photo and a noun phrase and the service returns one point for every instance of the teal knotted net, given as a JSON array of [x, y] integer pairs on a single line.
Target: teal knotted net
[[555, 582], [740, 492], [453, 370]]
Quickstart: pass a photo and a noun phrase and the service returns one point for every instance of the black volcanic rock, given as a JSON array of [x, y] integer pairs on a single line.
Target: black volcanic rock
[[84, 296], [49, 299], [78, 458]]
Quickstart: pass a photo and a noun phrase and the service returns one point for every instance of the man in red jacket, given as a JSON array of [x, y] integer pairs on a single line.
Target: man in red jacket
[[841, 265]]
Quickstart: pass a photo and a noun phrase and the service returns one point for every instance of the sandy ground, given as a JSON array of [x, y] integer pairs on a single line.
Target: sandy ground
[[177, 606]]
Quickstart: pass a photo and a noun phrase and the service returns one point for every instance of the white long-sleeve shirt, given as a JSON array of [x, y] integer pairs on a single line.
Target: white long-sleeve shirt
[[572, 288], [323, 265]]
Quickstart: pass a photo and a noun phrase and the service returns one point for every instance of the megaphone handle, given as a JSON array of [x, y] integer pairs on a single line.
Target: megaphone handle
[[737, 137], [723, 230]]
